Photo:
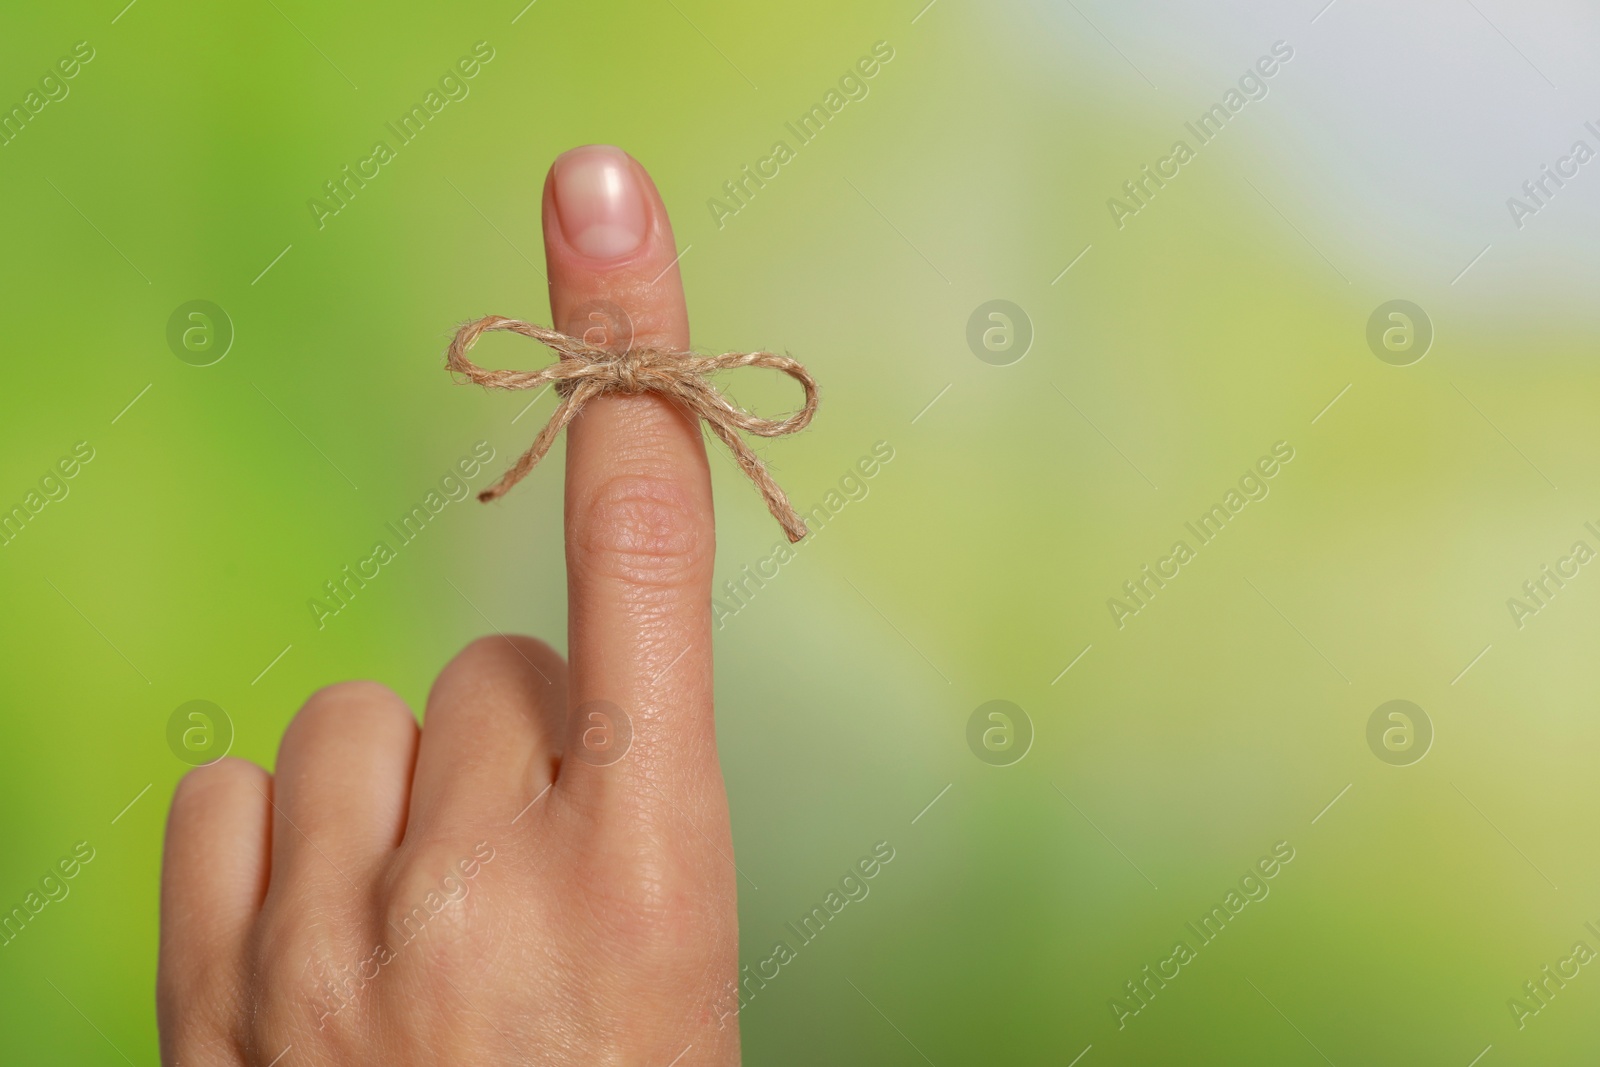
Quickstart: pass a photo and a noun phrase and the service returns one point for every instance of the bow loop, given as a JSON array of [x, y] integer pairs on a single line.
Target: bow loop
[[586, 371]]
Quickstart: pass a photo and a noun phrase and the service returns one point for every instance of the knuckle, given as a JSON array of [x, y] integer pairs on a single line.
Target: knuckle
[[659, 930], [644, 892], [432, 907], [646, 528], [200, 996], [306, 975], [200, 1020]]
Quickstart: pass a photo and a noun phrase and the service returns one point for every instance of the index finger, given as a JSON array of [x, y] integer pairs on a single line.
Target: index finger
[[639, 521]]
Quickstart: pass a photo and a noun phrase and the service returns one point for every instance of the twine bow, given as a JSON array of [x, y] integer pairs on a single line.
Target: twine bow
[[586, 371]]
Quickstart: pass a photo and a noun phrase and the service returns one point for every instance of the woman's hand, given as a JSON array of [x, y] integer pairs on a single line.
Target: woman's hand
[[542, 873]]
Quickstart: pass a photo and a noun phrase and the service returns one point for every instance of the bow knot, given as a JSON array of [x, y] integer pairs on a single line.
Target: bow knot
[[586, 371], [632, 370]]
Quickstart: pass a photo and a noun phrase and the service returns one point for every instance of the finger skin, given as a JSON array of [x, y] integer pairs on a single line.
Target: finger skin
[[639, 520], [213, 879], [343, 780], [492, 735], [650, 838], [605, 928]]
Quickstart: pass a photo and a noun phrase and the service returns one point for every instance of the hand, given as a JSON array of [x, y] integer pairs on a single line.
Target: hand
[[490, 889]]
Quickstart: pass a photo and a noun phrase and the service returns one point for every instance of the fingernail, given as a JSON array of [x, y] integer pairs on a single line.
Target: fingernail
[[599, 202]]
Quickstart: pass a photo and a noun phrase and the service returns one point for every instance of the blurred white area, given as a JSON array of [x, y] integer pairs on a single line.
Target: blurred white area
[[1395, 136]]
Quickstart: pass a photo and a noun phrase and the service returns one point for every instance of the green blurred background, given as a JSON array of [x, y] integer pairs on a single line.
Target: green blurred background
[[1176, 751]]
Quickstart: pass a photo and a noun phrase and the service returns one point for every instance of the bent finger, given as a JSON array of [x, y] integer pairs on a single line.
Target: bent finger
[[213, 879], [493, 731]]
